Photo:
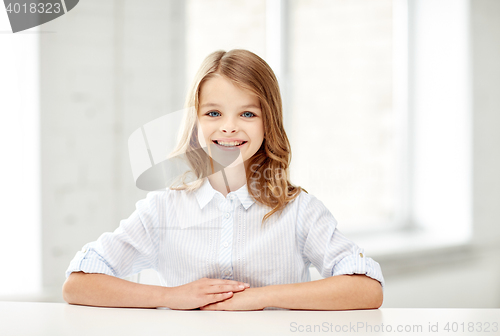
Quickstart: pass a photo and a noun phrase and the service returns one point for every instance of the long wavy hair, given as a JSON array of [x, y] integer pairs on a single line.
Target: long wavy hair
[[268, 174]]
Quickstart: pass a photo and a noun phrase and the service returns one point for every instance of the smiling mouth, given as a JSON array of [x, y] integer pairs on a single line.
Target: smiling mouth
[[231, 144]]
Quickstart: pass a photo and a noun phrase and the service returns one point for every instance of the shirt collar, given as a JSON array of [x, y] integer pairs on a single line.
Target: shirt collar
[[206, 193]]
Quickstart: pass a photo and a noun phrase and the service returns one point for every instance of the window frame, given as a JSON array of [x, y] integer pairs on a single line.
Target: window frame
[[413, 231]]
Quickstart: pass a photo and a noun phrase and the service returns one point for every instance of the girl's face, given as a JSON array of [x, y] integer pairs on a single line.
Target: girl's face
[[229, 117]]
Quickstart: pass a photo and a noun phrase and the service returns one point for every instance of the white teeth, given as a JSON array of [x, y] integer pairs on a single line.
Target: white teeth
[[229, 144]]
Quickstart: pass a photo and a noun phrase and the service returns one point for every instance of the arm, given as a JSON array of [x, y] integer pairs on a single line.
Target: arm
[[107, 291], [341, 292], [94, 276]]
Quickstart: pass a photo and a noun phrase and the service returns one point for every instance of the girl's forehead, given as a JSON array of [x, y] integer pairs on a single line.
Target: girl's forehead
[[222, 90], [219, 82]]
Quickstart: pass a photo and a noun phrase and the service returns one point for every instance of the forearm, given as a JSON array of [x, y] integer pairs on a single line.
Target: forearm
[[341, 292], [108, 291]]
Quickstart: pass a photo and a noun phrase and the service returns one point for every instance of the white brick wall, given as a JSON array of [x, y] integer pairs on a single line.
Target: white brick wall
[[107, 67]]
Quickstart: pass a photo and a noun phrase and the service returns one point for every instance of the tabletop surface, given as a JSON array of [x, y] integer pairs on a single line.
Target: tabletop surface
[[39, 318]]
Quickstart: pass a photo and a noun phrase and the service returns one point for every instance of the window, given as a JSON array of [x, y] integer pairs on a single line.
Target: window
[[343, 124], [436, 153]]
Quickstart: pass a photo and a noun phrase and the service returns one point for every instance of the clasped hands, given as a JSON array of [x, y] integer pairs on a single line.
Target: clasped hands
[[216, 294]]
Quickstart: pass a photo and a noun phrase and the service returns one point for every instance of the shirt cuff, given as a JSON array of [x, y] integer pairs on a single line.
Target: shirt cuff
[[89, 261], [358, 263]]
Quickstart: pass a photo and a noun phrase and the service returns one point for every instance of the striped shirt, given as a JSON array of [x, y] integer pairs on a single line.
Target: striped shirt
[[188, 236]]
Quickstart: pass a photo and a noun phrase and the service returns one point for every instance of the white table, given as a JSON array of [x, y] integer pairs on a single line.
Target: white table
[[36, 318]]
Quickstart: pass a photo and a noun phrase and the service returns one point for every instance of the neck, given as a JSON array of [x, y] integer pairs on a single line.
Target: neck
[[228, 179]]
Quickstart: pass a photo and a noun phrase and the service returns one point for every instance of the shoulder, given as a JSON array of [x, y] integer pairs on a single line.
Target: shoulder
[[155, 198], [165, 197], [312, 212], [306, 204], [306, 200], [155, 201]]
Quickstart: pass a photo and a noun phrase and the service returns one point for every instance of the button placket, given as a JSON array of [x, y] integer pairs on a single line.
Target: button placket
[[226, 239]]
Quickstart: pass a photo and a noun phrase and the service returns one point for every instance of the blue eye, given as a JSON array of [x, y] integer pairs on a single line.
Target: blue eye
[[209, 113], [248, 116]]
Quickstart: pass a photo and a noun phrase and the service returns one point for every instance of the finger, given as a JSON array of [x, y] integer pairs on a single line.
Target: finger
[[225, 288], [215, 282], [230, 282], [208, 307], [213, 306], [219, 297]]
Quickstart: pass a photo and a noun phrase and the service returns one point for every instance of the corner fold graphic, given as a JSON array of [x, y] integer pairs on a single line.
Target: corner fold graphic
[[70, 4], [26, 14]]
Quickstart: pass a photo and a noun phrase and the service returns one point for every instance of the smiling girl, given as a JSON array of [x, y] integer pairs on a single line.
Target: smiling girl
[[241, 237]]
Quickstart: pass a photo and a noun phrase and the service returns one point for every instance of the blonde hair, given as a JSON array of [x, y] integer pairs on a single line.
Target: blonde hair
[[248, 71]]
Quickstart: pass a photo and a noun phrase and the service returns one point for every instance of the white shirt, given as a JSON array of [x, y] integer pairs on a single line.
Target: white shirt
[[188, 236]]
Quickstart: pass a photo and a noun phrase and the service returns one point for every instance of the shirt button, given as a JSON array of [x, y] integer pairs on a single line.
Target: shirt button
[[227, 273], [231, 197], [226, 244], [227, 215]]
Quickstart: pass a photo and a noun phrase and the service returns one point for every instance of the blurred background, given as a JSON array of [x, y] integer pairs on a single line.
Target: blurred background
[[392, 108]]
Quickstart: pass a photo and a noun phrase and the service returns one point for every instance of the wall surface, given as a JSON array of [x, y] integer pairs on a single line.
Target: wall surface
[[107, 68]]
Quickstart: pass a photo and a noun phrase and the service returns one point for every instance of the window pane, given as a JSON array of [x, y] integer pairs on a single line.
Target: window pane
[[342, 122], [223, 24]]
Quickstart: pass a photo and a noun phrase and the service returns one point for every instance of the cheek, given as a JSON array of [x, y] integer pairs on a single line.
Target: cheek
[[258, 140], [261, 134], [201, 136]]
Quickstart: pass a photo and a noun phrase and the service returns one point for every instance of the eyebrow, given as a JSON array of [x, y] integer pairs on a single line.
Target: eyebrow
[[217, 105]]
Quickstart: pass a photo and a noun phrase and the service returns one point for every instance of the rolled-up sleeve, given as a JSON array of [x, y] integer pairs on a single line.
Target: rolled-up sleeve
[[327, 248], [131, 248]]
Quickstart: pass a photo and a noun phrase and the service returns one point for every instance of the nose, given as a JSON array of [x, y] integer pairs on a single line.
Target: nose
[[229, 126]]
